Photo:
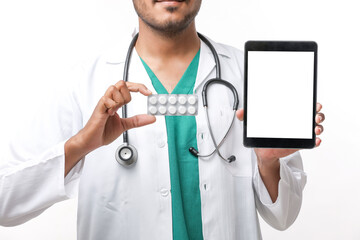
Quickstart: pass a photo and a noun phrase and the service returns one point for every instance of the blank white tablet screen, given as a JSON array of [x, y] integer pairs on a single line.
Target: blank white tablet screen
[[280, 94]]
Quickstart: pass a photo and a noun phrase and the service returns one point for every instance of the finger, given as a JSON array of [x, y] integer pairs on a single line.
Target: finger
[[240, 114], [118, 97], [123, 89], [317, 142], [108, 105], [110, 90], [138, 87], [113, 93], [318, 107], [320, 117], [137, 121], [319, 129]]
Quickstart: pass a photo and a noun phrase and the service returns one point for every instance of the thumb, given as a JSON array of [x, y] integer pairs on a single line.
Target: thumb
[[137, 121], [240, 114]]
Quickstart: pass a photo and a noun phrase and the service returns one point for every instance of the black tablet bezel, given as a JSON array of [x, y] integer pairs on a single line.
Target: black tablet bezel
[[293, 46]]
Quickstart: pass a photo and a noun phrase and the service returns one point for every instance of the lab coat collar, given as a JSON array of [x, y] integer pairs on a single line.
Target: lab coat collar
[[117, 55]]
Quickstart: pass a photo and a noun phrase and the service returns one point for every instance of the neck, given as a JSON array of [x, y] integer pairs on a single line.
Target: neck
[[153, 44]]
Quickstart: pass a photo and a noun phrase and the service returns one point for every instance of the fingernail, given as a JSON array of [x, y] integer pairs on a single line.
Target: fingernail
[[148, 91]]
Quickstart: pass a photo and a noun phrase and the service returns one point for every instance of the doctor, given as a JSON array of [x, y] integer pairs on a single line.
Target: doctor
[[168, 193]]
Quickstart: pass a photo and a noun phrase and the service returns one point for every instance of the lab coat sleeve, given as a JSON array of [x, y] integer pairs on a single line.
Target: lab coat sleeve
[[32, 170], [283, 212]]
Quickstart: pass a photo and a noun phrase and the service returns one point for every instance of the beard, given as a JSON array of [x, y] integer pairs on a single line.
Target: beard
[[169, 28]]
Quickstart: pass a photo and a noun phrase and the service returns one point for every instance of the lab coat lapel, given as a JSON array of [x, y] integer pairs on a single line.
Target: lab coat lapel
[[137, 72], [206, 65]]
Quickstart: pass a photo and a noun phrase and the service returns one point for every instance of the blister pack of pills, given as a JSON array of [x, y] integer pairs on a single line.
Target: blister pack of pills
[[173, 104]]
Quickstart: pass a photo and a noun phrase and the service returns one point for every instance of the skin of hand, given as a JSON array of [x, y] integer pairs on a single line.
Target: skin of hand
[[105, 125], [268, 158]]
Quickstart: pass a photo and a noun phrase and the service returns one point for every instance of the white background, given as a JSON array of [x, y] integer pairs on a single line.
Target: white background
[[280, 94], [41, 38]]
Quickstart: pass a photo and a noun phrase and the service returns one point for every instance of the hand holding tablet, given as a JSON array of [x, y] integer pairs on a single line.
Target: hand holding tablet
[[280, 111], [280, 94], [268, 158]]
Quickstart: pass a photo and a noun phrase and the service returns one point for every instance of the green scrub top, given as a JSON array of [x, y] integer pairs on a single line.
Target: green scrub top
[[184, 169]]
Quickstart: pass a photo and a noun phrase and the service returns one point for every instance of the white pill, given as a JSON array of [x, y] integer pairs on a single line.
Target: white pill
[[192, 100], [172, 110], [191, 110], [152, 100], [162, 100], [152, 110], [182, 100], [182, 110], [172, 99], [162, 110]]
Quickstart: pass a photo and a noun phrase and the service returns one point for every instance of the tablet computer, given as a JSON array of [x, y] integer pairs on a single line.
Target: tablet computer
[[280, 94]]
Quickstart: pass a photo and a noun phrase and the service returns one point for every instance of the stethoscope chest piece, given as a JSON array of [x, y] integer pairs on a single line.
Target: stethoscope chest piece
[[126, 155]]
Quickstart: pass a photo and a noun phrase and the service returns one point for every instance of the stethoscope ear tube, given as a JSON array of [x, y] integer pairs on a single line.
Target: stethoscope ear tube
[[223, 82], [195, 152]]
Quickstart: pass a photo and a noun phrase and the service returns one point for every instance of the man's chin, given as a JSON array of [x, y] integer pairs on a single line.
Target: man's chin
[[171, 9]]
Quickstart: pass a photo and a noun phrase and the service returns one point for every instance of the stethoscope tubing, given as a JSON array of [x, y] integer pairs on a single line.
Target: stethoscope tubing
[[125, 79], [126, 148], [212, 137]]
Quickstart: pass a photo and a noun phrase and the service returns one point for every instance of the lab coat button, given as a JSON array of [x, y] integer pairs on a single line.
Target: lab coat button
[[164, 192], [161, 143], [201, 135]]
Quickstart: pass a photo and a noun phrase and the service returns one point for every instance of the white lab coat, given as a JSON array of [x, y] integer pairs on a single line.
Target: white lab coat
[[135, 203]]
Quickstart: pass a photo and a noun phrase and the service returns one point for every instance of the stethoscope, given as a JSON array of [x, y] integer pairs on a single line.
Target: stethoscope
[[126, 154]]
